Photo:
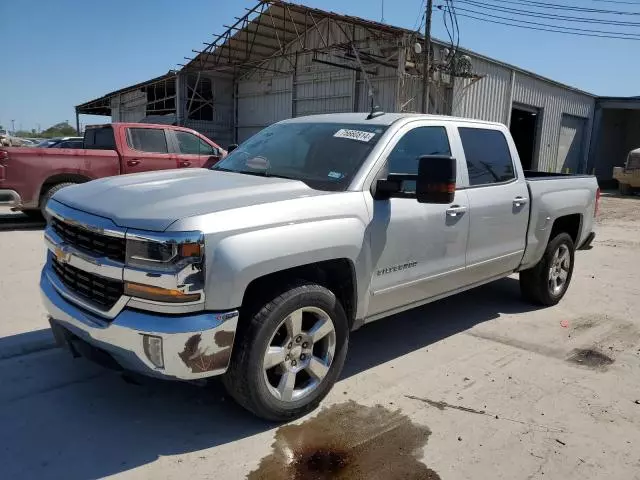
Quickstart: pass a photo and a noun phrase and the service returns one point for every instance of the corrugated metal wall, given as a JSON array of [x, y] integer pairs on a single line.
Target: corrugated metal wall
[[314, 88], [554, 101], [129, 107], [261, 102], [484, 99], [491, 98]]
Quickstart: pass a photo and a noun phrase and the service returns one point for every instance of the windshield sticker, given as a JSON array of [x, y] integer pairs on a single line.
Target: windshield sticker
[[335, 175], [358, 135]]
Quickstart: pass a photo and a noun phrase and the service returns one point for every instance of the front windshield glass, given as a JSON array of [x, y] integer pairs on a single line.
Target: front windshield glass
[[325, 156]]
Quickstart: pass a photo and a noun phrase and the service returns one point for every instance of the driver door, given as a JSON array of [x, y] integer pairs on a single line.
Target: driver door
[[418, 250]]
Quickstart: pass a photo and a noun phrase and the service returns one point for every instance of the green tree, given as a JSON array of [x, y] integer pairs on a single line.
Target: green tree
[[62, 129]]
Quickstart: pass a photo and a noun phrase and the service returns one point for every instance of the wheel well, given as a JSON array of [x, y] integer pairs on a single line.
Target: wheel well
[[62, 178], [336, 275], [568, 224]]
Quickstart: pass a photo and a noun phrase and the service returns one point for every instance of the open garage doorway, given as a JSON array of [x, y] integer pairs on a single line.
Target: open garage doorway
[[524, 129]]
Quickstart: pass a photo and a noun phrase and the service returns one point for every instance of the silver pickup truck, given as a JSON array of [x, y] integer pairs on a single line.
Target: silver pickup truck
[[259, 268]]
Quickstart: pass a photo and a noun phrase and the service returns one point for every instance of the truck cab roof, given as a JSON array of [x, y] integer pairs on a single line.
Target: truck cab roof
[[386, 119]]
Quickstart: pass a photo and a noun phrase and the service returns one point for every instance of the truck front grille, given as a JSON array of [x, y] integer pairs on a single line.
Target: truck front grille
[[96, 243], [101, 291]]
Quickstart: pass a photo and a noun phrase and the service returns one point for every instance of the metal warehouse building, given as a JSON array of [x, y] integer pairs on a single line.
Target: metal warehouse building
[[282, 60]]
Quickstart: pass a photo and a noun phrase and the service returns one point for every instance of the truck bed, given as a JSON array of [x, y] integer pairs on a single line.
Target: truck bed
[[555, 195], [533, 176]]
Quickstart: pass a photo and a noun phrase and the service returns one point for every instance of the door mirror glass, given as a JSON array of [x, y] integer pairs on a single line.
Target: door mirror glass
[[436, 179], [232, 147]]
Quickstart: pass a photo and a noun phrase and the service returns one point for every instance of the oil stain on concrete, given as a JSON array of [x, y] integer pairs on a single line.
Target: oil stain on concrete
[[348, 441], [590, 358]]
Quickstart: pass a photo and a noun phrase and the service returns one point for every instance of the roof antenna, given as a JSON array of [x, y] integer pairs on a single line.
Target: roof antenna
[[376, 111]]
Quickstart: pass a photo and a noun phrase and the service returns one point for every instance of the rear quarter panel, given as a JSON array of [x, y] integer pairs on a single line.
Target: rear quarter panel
[[28, 169], [552, 199]]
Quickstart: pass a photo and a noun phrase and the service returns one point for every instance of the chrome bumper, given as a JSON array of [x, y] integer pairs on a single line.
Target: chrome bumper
[[10, 198], [193, 346]]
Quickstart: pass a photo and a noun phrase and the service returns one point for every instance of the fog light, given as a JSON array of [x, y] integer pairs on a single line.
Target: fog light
[[153, 350]]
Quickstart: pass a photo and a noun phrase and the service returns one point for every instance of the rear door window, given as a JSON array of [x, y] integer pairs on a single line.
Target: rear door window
[[150, 140], [488, 157], [99, 138]]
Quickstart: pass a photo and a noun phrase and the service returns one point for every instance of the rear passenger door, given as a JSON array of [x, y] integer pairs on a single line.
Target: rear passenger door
[[193, 152], [498, 204], [147, 149]]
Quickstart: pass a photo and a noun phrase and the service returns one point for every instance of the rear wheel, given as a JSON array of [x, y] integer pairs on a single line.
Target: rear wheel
[[48, 194], [289, 354], [548, 281]]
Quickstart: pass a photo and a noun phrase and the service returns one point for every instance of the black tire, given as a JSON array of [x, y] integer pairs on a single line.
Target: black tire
[[245, 379], [535, 282], [48, 194]]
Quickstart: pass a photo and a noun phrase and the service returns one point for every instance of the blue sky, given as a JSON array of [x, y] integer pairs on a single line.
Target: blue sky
[[57, 54]]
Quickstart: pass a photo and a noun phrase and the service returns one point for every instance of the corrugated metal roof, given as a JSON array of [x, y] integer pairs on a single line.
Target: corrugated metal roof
[[101, 105], [267, 29]]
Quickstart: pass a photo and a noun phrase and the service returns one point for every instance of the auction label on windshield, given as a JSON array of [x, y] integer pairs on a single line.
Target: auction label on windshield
[[354, 135]]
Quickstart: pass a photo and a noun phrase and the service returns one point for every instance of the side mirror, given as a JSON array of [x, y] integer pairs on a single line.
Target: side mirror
[[436, 179], [232, 147]]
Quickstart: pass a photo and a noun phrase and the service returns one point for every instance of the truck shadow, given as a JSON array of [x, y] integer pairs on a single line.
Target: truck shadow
[[65, 418], [10, 221]]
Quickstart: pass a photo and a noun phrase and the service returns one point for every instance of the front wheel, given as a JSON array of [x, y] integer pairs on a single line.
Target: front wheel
[[289, 354], [548, 281]]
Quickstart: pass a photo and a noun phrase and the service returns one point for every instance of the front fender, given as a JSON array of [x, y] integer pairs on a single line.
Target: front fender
[[236, 260]]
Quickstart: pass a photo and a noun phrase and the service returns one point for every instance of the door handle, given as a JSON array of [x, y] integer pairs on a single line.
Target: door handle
[[184, 163], [456, 210], [133, 163], [520, 201]]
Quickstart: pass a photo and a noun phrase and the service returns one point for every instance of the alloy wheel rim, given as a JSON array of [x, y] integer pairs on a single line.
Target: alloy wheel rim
[[559, 270], [299, 354]]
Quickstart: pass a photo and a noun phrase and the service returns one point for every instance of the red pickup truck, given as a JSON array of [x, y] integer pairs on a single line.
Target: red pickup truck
[[30, 176]]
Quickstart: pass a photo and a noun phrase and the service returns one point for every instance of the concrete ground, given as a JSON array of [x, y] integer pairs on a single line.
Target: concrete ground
[[481, 385]]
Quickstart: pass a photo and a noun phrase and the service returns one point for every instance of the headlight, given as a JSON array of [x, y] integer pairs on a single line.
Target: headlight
[[165, 267], [165, 253]]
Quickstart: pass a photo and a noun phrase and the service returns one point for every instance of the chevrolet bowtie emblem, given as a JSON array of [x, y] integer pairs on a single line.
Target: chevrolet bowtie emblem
[[62, 255]]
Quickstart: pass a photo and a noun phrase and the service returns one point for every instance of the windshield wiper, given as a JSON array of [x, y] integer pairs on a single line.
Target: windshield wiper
[[255, 174]]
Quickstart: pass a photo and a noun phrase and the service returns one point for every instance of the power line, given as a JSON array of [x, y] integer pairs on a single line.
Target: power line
[[554, 30], [420, 18], [571, 29], [558, 6], [548, 16], [618, 1]]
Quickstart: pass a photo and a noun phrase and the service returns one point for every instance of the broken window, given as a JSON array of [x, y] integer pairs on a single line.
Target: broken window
[[161, 98], [199, 98]]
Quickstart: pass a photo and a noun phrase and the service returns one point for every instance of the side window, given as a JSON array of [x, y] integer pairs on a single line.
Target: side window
[[100, 138], [150, 140], [191, 145], [414, 144], [488, 157]]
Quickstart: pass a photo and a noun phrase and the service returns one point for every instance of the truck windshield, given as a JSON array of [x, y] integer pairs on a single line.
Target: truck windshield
[[325, 156]]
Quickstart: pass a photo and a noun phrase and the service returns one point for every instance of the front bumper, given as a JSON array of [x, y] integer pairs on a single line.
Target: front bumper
[[194, 345]]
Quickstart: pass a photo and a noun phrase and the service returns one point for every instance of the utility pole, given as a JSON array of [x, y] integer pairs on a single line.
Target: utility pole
[[13, 127], [427, 57]]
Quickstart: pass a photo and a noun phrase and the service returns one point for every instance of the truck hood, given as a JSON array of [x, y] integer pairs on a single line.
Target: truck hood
[[153, 201]]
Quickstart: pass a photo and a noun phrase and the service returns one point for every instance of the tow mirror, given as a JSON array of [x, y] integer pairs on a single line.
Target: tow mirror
[[436, 179], [232, 147]]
